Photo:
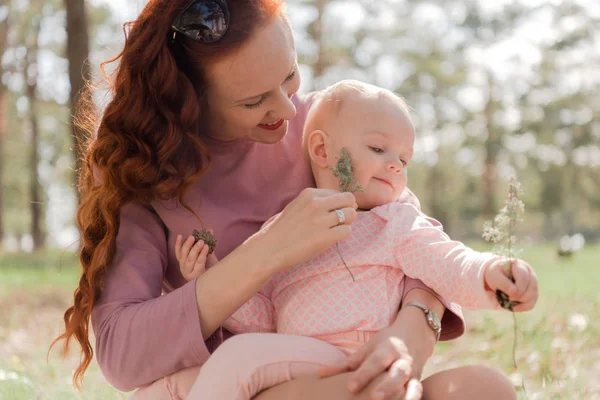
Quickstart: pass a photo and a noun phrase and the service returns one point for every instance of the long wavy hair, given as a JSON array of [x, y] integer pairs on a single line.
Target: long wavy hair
[[147, 143]]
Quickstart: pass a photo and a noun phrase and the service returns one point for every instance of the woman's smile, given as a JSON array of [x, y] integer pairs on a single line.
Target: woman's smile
[[272, 126]]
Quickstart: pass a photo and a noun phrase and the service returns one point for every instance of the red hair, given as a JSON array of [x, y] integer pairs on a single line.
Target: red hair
[[147, 144]]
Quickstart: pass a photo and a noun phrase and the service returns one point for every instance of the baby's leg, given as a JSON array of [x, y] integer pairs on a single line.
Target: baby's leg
[[249, 363], [173, 387], [472, 382]]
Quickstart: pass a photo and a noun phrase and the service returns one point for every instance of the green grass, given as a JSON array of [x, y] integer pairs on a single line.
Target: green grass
[[48, 269], [557, 357]]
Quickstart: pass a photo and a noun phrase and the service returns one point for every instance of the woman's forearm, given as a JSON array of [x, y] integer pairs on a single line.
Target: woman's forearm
[[412, 327], [226, 286], [427, 298]]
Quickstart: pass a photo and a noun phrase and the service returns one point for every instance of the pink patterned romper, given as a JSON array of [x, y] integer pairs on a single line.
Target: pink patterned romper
[[321, 315]]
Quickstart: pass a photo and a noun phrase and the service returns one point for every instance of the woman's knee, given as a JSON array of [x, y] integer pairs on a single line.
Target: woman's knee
[[496, 381], [472, 382]]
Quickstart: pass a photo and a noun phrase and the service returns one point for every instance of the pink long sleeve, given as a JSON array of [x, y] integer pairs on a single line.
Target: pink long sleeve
[[140, 335], [256, 315], [449, 267]]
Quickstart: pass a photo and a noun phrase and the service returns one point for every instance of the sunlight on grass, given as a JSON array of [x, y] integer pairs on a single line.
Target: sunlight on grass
[[558, 344]]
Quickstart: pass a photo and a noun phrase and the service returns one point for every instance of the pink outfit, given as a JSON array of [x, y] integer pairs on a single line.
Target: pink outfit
[[388, 242], [321, 315], [319, 299], [143, 336]]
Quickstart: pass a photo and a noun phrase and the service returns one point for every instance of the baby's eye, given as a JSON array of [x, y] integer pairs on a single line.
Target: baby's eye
[[376, 149], [404, 163]]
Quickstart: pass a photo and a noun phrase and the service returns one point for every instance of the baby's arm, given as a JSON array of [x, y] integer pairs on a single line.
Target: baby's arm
[[455, 271]]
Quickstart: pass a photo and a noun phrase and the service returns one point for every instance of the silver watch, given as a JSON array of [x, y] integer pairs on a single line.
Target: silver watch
[[432, 319]]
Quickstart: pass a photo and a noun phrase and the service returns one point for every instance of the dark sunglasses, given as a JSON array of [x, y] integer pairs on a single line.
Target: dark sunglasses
[[204, 21]]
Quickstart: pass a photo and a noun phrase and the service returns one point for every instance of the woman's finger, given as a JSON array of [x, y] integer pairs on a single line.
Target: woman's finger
[[373, 365], [331, 370], [336, 201], [356, 359], [414, 390], [348, 218], [394, 384]]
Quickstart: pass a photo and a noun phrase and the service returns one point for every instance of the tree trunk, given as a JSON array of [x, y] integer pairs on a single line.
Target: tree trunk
[[315, 31], [31, 79], [437, 185], [491, 155], [3, 124], [79, 69]]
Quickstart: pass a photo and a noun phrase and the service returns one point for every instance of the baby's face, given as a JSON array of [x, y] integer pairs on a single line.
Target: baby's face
[[380, 139]]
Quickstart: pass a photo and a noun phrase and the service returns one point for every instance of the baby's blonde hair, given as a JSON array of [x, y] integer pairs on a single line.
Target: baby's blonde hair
[[330, 101]]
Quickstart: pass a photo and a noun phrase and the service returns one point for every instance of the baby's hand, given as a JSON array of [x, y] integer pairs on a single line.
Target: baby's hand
[[192, 257], [523, 291]]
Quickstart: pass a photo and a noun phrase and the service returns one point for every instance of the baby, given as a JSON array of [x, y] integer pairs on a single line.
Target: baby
[[321, 299]]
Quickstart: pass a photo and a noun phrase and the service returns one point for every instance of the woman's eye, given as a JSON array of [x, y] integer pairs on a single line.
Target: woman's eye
[[376, 149], [255, 105]]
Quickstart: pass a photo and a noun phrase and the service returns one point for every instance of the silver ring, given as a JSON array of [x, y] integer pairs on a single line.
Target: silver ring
[[341, 217]]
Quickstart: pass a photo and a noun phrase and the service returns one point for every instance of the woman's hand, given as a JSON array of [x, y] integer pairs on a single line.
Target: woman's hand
[[393, 360], [307, 226], [387, 358]]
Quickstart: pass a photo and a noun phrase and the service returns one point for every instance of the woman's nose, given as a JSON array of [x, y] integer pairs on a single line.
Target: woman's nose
[[286, 108]]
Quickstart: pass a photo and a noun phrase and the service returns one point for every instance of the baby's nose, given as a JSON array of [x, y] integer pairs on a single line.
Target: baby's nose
[[396, 166]]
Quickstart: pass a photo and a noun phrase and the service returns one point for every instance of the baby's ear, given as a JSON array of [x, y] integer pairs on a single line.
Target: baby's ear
[[317, 143]]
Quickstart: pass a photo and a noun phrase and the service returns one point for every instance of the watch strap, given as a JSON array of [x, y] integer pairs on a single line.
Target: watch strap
[[429, 314]]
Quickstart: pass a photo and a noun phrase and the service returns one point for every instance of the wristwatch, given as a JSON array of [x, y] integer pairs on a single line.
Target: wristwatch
[[432, 319]]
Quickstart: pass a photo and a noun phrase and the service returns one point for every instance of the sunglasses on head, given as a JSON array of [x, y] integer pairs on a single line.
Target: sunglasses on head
[[204, 21]]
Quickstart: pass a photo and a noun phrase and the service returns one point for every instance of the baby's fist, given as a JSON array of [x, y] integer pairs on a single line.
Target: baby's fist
[[522, 289]]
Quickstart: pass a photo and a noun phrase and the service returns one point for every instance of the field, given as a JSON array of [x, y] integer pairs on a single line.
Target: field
[[558, 348]]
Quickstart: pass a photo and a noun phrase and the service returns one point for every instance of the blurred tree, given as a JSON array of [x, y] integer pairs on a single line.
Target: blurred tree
[[4, 13], [78, 51], [30, 77], [561, 110], [485, 29], [316, 33]]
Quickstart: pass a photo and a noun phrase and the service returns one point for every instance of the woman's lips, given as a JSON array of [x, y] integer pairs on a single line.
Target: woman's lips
[[272, 127]]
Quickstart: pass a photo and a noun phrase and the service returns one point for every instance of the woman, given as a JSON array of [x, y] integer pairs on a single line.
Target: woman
[[202, 131]]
